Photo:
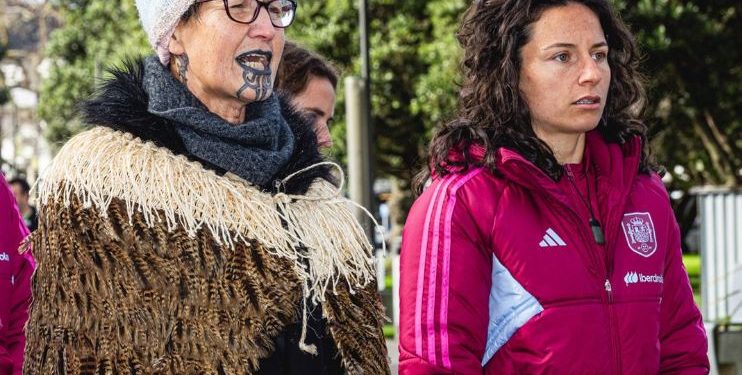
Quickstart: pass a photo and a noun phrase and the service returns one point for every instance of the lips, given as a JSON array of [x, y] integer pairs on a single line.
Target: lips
[[256, 61], [588, 100]]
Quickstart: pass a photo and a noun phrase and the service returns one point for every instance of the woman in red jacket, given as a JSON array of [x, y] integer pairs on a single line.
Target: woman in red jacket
[[546, 242], [15, 284]]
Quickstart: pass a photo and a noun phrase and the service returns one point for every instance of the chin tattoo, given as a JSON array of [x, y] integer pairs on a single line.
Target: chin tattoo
[[261, 84], [256, 73]]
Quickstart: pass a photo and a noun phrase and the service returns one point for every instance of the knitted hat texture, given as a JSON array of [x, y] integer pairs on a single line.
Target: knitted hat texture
[[159, 18]]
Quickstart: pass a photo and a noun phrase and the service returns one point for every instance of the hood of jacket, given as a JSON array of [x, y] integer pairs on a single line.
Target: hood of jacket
[[614, 165]]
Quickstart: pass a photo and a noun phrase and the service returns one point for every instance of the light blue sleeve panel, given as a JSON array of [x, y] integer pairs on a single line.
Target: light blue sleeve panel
[[510, 307]]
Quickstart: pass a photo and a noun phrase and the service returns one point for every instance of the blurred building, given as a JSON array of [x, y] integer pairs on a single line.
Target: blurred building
[[25, 26]]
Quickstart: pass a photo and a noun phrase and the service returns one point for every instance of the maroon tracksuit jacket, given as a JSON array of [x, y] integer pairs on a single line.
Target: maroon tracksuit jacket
[[501, 273]]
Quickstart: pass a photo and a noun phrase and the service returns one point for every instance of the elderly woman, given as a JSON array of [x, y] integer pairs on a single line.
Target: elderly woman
[[193, 229], [546, 243]]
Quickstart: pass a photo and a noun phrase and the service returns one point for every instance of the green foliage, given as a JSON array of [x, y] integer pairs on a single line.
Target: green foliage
[[414, 59], [95, 36], [692, 263], [690, 54], [692, 60], [690, 49], [692, 64], [437, 90], [389, 331]]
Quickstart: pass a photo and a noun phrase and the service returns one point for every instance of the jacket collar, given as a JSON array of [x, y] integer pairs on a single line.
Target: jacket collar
[[614, 165]]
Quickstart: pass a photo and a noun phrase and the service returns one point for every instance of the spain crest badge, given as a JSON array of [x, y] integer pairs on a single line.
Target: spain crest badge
[[639, 231]]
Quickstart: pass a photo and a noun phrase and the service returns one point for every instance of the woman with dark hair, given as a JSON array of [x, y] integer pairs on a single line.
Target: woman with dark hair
[[309, 81], [546, 242], [194, 228]]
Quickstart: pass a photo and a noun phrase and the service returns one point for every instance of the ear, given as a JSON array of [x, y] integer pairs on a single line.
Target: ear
[[176, 47]]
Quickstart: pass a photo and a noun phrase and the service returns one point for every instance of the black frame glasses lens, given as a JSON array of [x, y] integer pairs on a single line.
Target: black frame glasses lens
[[284, 12], [281, 12]]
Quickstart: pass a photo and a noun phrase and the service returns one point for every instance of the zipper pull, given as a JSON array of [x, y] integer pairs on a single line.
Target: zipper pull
[[597, 231], [609, 290]]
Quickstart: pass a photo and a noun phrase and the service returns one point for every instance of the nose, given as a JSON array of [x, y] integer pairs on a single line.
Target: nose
[[591, 72], [324, 140], [262, 28]]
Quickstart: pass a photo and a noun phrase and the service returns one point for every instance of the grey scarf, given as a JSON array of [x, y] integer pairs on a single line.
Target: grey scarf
[[255, 150]]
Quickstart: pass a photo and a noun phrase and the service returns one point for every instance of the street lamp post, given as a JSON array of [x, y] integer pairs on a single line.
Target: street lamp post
[[359, 130], [368, 121]]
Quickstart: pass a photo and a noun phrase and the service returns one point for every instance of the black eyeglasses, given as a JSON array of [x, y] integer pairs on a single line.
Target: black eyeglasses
[[281, 12]]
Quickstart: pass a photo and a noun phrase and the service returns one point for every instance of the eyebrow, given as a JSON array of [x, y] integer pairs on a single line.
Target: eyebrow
[[316, 111], [570, 45]]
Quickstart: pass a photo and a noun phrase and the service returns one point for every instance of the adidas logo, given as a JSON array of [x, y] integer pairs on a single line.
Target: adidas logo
[[4, 257], [551, 239]]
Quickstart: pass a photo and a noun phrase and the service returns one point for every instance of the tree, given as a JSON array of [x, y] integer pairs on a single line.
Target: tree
[[693, 61], [95, 36], [690, 57], [690, 48], [414, 59], [412, 64]]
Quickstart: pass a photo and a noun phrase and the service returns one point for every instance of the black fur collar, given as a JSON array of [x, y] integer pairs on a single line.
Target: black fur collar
[[121, 104]]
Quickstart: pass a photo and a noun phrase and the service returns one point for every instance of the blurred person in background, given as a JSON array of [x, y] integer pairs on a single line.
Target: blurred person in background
[[195, 228], [546, 242], [21, 191], [309, 81], [15, 284]]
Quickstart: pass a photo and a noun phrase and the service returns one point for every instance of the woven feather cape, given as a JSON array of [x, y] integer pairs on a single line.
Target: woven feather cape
[[149, 263]]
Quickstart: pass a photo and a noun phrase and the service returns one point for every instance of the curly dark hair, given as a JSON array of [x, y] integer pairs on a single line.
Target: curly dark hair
[[492, 112]]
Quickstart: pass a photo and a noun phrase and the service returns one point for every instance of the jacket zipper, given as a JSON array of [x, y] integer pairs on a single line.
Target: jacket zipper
[[600, 244], [612, 328]]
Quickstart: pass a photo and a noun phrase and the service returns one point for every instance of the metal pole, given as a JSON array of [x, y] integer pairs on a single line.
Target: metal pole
[[368, 128], [359, 186]]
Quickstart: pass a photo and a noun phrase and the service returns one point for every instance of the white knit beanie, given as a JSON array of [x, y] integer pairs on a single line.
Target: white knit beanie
[[159, 18]]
